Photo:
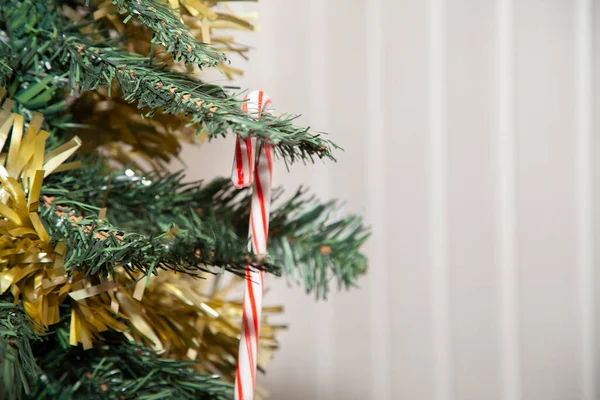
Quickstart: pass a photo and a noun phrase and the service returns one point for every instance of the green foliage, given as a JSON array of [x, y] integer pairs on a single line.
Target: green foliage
[[28, 73], [170, 32], [154, 221], [96, 247], [119, 370], [54, 54], [154, 88], [5, 69], [18, 367], [314, 244], [307, 241]]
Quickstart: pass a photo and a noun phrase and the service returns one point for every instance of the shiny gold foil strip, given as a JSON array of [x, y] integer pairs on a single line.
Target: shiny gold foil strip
[[140, 288], [92, 291]]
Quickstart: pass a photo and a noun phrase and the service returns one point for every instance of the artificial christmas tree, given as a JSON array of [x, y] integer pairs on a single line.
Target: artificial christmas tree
[[113, 271]]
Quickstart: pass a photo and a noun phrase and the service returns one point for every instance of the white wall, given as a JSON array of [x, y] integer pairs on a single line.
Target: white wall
[[469, 137]]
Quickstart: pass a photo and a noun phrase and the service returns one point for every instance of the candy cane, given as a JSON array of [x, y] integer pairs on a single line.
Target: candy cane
[[242, 171], [257, 102], [243, 162]]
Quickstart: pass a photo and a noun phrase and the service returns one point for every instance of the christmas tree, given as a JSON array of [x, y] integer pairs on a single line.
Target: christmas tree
[[116, 274]]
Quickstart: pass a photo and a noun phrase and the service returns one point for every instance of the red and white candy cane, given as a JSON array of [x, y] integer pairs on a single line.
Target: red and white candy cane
[[243, 162], [242, 172], [244, 166]]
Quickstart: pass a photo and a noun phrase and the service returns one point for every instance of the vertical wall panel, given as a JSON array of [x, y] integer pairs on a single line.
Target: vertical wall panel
[[347, 80], [595, 14], [471, 28], [506, 245], [319, 101], [438, 201], [407, 175], [381, 380], [585, 196], [468, 129], [547, 200]]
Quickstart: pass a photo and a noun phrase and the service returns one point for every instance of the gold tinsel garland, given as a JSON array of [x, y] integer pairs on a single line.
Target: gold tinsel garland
[[117, 129], [175, 314]]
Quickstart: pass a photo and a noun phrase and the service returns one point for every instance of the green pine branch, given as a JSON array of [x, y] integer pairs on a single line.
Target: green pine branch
[[117, 369], [92, 65], [170, 32], [47, 367], [56, 55], [314, 244], [307, 241], [5, 68], [18, 368], [96, 247]]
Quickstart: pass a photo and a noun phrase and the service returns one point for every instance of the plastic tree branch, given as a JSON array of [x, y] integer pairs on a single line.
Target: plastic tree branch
[[89, 64], [19, 371], [170, 32], [96, 247], [121, 370], [308, 242]]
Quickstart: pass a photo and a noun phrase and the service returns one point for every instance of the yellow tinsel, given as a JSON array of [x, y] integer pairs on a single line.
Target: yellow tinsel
[[116, 128], [188, 318], [29, 265]]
